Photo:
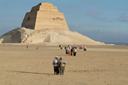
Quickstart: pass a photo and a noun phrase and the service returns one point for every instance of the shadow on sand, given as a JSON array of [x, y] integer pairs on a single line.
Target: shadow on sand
[[33, 72]]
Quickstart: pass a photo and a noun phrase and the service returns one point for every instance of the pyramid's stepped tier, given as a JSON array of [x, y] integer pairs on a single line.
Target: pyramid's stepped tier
[[44, 7], [43, 16], [55, 36]]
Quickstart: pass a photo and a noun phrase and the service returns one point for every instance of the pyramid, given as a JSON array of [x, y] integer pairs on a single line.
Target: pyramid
[[45, 25], [44, 16]]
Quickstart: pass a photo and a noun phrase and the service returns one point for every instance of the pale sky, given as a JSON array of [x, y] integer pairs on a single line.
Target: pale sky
[[100, 20]]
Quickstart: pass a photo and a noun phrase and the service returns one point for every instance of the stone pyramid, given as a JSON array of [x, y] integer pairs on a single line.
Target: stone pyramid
[[44, 16], [49, 27]]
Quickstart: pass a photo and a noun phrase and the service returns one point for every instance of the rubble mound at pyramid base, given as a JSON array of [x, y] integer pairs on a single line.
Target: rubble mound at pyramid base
[[55, 36]]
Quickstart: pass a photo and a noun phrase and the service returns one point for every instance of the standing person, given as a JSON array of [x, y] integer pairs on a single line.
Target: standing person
[[27, 46], [56, 65], [71, 51], [70, 47], [67, 50], [61, 47], [65, 47], [74, 51], [68, 53], [81, 47], [85, 48], [62, 64]]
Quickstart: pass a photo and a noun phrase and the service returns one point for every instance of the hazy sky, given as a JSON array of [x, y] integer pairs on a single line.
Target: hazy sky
[[100, 20]]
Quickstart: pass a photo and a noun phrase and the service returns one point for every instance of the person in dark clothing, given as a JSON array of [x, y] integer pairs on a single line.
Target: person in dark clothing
[[71, 51], [65, 47], [85, 49], [56, 65], [27, 46]]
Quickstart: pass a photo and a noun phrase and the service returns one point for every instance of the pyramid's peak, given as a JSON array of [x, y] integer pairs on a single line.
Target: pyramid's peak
[[45, 3]]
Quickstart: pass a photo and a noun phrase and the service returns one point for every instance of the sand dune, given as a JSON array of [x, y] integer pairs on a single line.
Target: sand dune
[[54, 36]]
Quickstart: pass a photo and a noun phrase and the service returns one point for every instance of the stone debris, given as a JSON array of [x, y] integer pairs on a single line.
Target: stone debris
[[55, 36]]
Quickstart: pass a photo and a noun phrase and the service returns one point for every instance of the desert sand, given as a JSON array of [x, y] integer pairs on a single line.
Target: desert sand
[[55, 36], [99, 65]]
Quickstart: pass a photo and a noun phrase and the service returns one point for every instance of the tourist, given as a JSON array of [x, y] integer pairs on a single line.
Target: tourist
[[27, 46], [71, 51], [61, 47], [62, 64], [67, 50], [68, 53], [85, 48], [74, 51], [56, 65], [69, 46], [81, 47], [65, 47]]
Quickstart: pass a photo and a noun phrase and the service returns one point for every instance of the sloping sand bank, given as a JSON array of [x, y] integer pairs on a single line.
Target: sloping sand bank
[[55, 36]]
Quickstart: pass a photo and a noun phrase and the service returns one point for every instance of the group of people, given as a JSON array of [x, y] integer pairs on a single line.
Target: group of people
[[59, 65], [85, 49], [71, 50]]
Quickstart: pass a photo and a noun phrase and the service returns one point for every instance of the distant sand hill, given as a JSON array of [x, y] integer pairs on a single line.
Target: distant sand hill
[[55, 36]]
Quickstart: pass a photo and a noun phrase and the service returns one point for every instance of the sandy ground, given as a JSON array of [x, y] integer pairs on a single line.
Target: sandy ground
[[99, 65]]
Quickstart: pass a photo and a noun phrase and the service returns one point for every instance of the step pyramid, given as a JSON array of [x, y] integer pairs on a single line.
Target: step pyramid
[[44, 16]]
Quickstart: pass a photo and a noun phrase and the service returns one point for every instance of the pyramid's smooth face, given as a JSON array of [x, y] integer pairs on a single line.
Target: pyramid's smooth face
[[43, 16]]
